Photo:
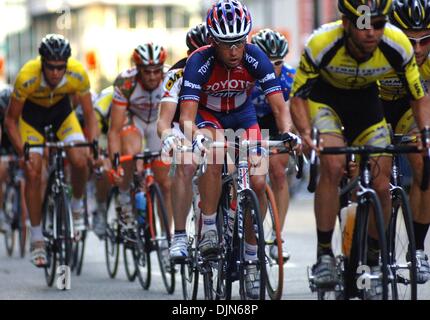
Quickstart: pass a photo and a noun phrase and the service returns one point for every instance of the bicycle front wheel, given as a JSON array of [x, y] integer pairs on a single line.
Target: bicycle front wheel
[[112, 240], [401, 248], [161, 236], [274, 265], [368, 207], [251, 212]]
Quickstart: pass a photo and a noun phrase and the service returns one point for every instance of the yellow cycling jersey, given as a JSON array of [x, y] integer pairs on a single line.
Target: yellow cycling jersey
[[30, 83], [103, 101], [392, 88], [326, 56]]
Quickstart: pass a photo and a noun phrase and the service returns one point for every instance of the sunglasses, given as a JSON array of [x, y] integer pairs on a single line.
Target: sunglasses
[[376, 25], [277, 62], [423, 41], [52, 67], [230, 45]]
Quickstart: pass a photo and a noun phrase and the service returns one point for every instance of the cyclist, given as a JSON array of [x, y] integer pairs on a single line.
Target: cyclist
[[170, 133], [336, 84], [41, 97], [413, 17], [102, 103], [276, 47], [134, 113], [216, 88], [5, 148]]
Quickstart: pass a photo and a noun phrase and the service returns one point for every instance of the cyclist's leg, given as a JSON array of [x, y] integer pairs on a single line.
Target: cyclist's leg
[[78, 158], [419, 200], [161, 170], [210, 184], [32, 173], [131, 143], [326, 206]]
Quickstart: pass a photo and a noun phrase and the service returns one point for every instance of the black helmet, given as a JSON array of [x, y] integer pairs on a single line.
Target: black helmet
[[411, 14], [272, 43], [196, 37], [55, 47], [377, 7], [5, 93]]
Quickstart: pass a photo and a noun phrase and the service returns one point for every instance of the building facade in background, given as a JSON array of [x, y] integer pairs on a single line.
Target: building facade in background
[[103, 33]]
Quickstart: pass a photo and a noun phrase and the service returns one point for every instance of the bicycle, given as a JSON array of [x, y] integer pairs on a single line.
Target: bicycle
[[15, 217], [347, 266], [57, 222], [271, 225], [150, 233]]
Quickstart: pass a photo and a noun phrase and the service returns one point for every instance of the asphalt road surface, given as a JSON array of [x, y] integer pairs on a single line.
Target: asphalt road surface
[[20, 280]]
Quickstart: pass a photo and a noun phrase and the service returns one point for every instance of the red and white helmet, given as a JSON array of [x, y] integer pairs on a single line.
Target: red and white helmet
[[149, 54], [228, 21]]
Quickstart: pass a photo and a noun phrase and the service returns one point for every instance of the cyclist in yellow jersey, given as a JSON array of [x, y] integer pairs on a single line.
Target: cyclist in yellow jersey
[[41, 97], [102, 106], [413, 17], [336, 87]]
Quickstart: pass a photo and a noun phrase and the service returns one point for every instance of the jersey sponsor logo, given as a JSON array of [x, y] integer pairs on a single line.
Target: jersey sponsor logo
[[29, 82], [251, 60], [76, 76], [204, 68], [368, 72], [175, 77], [228, 85], [192, 85], [268, 77], [225, 94], [394, 82]]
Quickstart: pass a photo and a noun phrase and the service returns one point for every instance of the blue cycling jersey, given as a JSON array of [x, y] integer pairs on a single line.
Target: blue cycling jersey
[[259, 99], [209, 82]]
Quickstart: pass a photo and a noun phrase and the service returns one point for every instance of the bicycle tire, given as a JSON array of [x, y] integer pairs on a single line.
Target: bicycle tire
[[79, 253], [64, 229], [112, 240], [189, 270], [48, 221], [129, 263], [408, 278], [359, 249], [274, 267], [142, 257], [251, 203], [23, 229], [9, 208], [162, 237]]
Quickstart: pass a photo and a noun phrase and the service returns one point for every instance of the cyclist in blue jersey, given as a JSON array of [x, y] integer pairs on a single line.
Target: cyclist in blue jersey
[[276, 48], [216, 94]]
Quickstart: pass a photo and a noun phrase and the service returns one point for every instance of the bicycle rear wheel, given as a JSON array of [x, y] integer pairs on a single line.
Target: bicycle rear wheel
[[274, 267], [401, 248], [112, 239], [79, 245], [251, 209], [161, 236]]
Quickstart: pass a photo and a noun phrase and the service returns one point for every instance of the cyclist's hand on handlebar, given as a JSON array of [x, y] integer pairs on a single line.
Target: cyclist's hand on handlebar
[[199, 143], [116, 176], [169, 143]]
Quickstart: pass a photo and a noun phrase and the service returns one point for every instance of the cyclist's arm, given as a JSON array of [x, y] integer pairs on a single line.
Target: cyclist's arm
[[187, 118], [280, 111], [167, 113], [421, 111], [13, 113], [300, 115], [117, 119], [89, 116]]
